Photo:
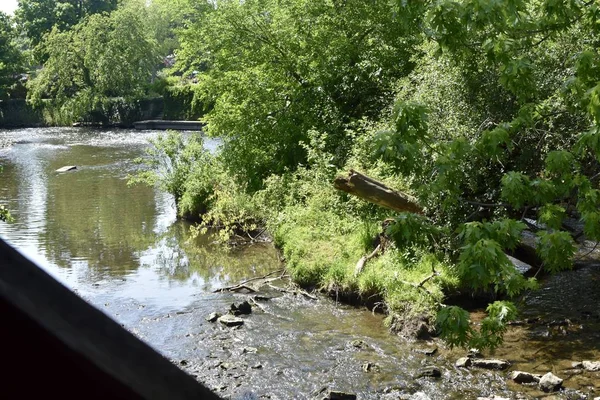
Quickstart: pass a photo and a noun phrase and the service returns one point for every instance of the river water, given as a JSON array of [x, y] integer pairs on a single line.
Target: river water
[[122, 249]]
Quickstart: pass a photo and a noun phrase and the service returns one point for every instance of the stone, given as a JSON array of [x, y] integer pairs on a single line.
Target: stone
[[490, 363], [550, 382], [359, 344], [429, 371], [242, 308], [524, 377], [370, 367], [230, 320], [67, 168], [591, 365], [463, 362], [427, 351], [419, 396], [474, 353], [493, 398], [328, 394], [212, 317], [576, 364]]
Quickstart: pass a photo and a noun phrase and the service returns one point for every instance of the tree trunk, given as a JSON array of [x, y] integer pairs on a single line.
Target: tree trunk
[[376, 192]]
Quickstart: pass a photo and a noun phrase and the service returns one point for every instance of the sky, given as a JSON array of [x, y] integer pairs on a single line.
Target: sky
[[8, 6]]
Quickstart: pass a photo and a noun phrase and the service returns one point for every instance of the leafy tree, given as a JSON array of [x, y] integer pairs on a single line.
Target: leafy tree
[[103, 57], [275, 70], [10, 56], [39, 17]]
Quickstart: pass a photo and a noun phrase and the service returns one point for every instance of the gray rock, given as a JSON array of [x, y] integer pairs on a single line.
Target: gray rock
[[463, 362], [420, 396], [242, 308], [591, 365], [490, 363], [576, 364], [212, 317], [524, 377], [427, 351], [370, 367], [429, 371], [230, 320], [550, 382], [67, 168], [474, 353], [328, 394]]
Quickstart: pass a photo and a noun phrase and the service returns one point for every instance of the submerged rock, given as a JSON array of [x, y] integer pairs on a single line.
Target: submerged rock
[[359, 344], [212, 317], [490, 363], [591, 365], [427, 351], [429, 371], [370, 367], [230, 320], [550, 382], [524, 377]]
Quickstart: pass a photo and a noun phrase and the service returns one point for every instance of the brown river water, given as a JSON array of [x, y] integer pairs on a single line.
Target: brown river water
[[122, 249]]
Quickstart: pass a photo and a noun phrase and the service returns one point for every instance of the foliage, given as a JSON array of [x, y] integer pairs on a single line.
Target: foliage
[[103, 57], [274, 71], [39, 17], [10, 56]]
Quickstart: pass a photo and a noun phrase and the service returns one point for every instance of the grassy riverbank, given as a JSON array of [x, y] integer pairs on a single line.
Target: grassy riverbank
[[322, 233]]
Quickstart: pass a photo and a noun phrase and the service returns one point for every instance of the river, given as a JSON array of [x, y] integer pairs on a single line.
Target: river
[[122, 249]]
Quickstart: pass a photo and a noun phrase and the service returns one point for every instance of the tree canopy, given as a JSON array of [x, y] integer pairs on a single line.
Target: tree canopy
[[102, 57], [10, 56]]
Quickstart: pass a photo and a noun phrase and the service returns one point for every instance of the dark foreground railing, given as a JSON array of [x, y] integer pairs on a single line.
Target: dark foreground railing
[[55, 345]]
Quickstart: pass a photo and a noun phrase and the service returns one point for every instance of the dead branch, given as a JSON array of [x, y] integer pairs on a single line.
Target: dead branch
[[243, 284], [361, 263], [376, 192]]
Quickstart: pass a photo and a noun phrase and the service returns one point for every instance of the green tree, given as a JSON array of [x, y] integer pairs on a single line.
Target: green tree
[[39, 17], [10, 56], [105, 56], [275, 70]]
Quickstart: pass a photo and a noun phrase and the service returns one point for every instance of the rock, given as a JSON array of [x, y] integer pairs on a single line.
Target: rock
[[591, 365], [493, 398], [230, 320], [430, 371], [474, 353], [427, 351], [420, 396], [328, 394], [212, 317], [243, 308], [463, 362], [359, 344], [490, 363], [550, 382], [524, 377], [576, 364], [67, 168], [370, 367], [257, 366]]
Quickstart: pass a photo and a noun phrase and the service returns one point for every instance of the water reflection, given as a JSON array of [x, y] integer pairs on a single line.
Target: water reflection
[[90, 229]]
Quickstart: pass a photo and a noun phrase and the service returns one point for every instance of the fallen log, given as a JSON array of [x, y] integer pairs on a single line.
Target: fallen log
[[376, 192]]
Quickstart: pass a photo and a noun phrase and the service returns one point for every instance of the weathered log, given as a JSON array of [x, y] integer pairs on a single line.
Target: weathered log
[[376, 192]]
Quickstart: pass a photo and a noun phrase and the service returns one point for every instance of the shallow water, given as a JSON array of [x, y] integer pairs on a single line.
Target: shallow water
[[121, 248]]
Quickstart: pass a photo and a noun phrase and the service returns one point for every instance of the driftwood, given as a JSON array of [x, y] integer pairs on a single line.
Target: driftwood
[[376, 192], [244, 284], [361, 263]]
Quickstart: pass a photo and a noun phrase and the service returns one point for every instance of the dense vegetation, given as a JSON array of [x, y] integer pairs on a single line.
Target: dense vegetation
[[487, 111]]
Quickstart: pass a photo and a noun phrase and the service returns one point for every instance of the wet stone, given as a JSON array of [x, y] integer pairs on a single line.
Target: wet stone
[[359, 344], [524, 377], [490, 363], [550, 382], [230, 320], [429, 371], [591, 365], [427, 351], [464, 362], [328, 394], [241, 309], [212, 317], [370, 367]]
